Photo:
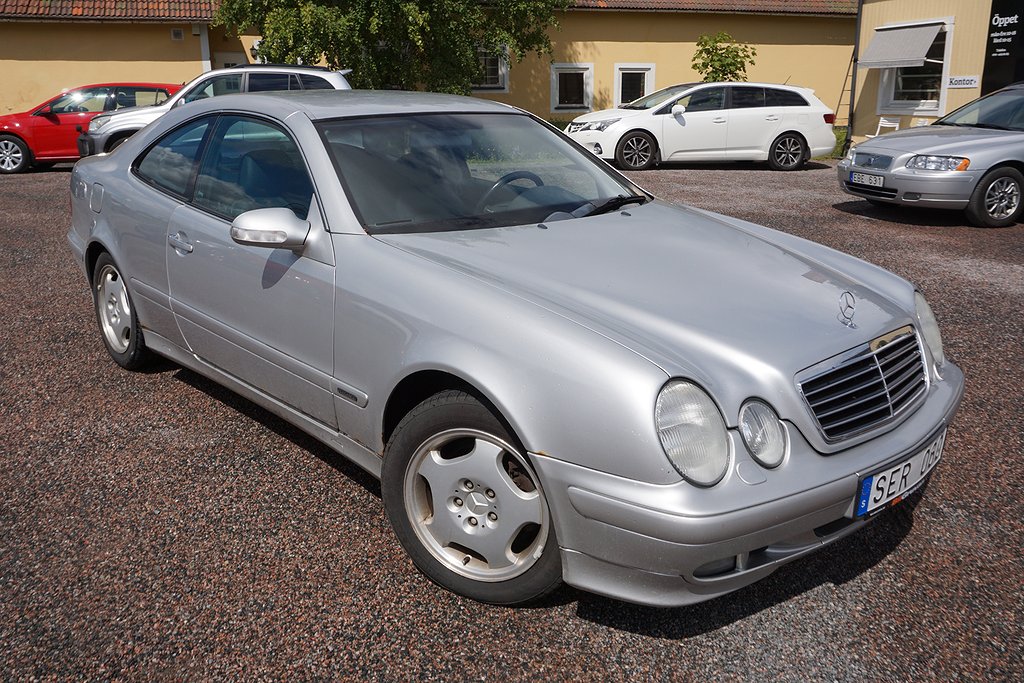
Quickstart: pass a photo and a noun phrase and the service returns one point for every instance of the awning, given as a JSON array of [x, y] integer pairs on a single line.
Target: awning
[[897, 47]]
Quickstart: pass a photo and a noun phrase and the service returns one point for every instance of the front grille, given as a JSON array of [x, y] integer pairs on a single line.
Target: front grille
[[872, 191], [865, 160], [871, 386]]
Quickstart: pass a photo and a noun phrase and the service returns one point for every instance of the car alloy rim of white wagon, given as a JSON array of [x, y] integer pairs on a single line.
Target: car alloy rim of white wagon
[[636, 151], [1002, 198], [10, 155], [476, 505], [114, 309], [788, 151]]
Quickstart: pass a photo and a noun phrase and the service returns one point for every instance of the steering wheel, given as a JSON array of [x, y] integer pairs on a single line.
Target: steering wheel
[[502, 182]]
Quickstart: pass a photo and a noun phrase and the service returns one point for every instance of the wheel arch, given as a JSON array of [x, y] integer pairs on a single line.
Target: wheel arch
[[92, 254], [23, 140], [420, 385], [1015, 164], [118, 137], [793, 131]]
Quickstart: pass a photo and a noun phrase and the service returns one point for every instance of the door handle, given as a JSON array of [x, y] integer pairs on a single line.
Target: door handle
[[772, 117], [720, 119], [178, 241]]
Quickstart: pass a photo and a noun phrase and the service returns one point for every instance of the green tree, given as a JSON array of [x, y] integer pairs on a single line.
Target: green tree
[[402, 44], [720, 58]]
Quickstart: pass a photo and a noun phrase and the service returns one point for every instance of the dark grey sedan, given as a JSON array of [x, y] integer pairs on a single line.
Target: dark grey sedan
[[556, 376], [971, 160]]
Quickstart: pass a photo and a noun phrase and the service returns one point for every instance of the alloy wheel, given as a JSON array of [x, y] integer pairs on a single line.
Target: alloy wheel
[[1002, 198], [637, 151], [11, 156], [114, 309], [788, 152]]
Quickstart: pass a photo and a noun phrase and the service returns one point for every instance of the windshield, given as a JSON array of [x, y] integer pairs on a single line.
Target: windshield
[[1001, 110], [656, 98], [433, 172]]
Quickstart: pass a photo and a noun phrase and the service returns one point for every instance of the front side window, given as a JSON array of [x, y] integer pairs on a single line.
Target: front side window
[[171, 162], [251, 164], [84, 100], [657, 98], [706, 99], [225, 84], [434, 172]]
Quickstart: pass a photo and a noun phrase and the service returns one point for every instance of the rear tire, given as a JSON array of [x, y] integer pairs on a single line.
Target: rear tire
[[996, 201], [787, 153], [119, 326], [15, 156]]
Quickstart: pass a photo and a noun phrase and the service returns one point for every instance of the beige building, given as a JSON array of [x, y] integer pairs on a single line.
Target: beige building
[[613, 51], [49, 45], [921, 59]]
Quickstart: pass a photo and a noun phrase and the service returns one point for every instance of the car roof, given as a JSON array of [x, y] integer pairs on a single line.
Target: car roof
[[130, 84], [330, 104]]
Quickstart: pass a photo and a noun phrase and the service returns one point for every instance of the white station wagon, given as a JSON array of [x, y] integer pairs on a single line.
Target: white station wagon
[[781, 124]]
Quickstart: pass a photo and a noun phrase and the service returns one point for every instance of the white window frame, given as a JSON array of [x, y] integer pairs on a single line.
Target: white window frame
[[502, 76], [587, 69], [887, 81], [633, 67]]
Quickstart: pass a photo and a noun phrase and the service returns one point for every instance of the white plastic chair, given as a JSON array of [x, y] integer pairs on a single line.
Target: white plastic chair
[[919, 123], [886, 122]]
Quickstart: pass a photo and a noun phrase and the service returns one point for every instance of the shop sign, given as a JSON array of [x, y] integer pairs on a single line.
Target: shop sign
[[963, 82], [1004, 52]]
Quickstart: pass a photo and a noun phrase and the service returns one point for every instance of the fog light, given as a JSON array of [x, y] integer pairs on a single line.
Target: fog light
[[911, 196], [597, 149]]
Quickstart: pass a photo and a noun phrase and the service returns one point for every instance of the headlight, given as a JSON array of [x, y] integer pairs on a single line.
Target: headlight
[[692, 432], [98, 122], [850, 153], [763, 433], [929, 328], [597, 125], [937, 163]]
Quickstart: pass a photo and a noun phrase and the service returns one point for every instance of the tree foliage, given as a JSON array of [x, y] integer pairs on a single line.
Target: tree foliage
[[401, 44], [720, 58]]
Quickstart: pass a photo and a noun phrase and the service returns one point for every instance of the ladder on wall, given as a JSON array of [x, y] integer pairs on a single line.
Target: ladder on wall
[[843, 106]]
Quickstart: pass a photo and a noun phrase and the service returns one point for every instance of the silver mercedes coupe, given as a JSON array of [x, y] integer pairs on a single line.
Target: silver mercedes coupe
[[556, 376]]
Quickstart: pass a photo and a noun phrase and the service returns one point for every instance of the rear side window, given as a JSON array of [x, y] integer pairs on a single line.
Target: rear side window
[[314, 83], [746, 96], [251, 164], [264, 82], [171, 162], [131, 96], [784, 98]]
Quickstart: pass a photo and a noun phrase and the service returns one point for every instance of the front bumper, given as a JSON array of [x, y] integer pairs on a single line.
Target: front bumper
[[599, 143], [902, 185], [642, 543]]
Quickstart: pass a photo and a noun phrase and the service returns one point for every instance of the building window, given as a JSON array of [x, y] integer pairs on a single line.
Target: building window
[[918, 89], [572, 87], [494, 66], [633, 81]]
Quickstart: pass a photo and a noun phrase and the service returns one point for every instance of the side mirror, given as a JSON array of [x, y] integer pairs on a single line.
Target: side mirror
[[678, 109], [275, 227]]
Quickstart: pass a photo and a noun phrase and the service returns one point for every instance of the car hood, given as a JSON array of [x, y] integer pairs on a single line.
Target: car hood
[[148, 113], [605, 114], [690, 291], [952, 140]]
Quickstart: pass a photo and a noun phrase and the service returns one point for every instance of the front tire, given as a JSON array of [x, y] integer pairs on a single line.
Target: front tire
[[787, 153], [119, 326], [996, 201], [14, 155], [466, 504], [636, 151]]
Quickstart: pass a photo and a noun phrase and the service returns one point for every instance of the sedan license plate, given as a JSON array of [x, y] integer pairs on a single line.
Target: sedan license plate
[[867, 179], [889, 486]]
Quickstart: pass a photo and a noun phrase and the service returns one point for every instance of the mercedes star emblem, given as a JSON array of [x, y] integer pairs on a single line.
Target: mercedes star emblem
[[847, 308]]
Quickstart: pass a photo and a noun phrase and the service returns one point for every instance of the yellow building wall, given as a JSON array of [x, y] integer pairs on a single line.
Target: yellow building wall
[[812, 52], [38, 60], [967, 57]]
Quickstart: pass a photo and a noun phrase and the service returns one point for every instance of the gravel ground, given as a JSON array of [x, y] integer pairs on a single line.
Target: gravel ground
[[157, 526]]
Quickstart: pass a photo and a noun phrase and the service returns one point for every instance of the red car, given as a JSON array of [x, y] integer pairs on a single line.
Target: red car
[[47, 133]]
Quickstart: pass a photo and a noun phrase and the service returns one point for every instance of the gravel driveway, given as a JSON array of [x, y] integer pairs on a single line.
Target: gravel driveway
[[157, 526]]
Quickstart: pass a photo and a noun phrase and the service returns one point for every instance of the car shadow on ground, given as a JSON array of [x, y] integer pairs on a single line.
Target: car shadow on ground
[[837, 564], [731, 166], [905, 215], [280, 427]]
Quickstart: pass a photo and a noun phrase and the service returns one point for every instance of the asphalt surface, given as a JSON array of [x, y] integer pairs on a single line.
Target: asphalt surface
[[156, 526]]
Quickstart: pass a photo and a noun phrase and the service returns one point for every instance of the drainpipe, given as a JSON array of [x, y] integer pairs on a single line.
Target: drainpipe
[[853, 79], [202, 30]]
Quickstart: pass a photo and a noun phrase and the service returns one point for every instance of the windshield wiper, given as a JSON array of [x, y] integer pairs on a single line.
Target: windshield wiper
[[990, 126], [614, 203]]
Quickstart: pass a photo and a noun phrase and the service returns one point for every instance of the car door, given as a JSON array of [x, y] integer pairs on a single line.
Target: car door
[[55, 125], [700, 132], [752, 125], [263, 315]]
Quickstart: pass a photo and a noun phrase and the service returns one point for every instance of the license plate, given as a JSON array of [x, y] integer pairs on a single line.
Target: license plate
[[889, 486], [867, 179]]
